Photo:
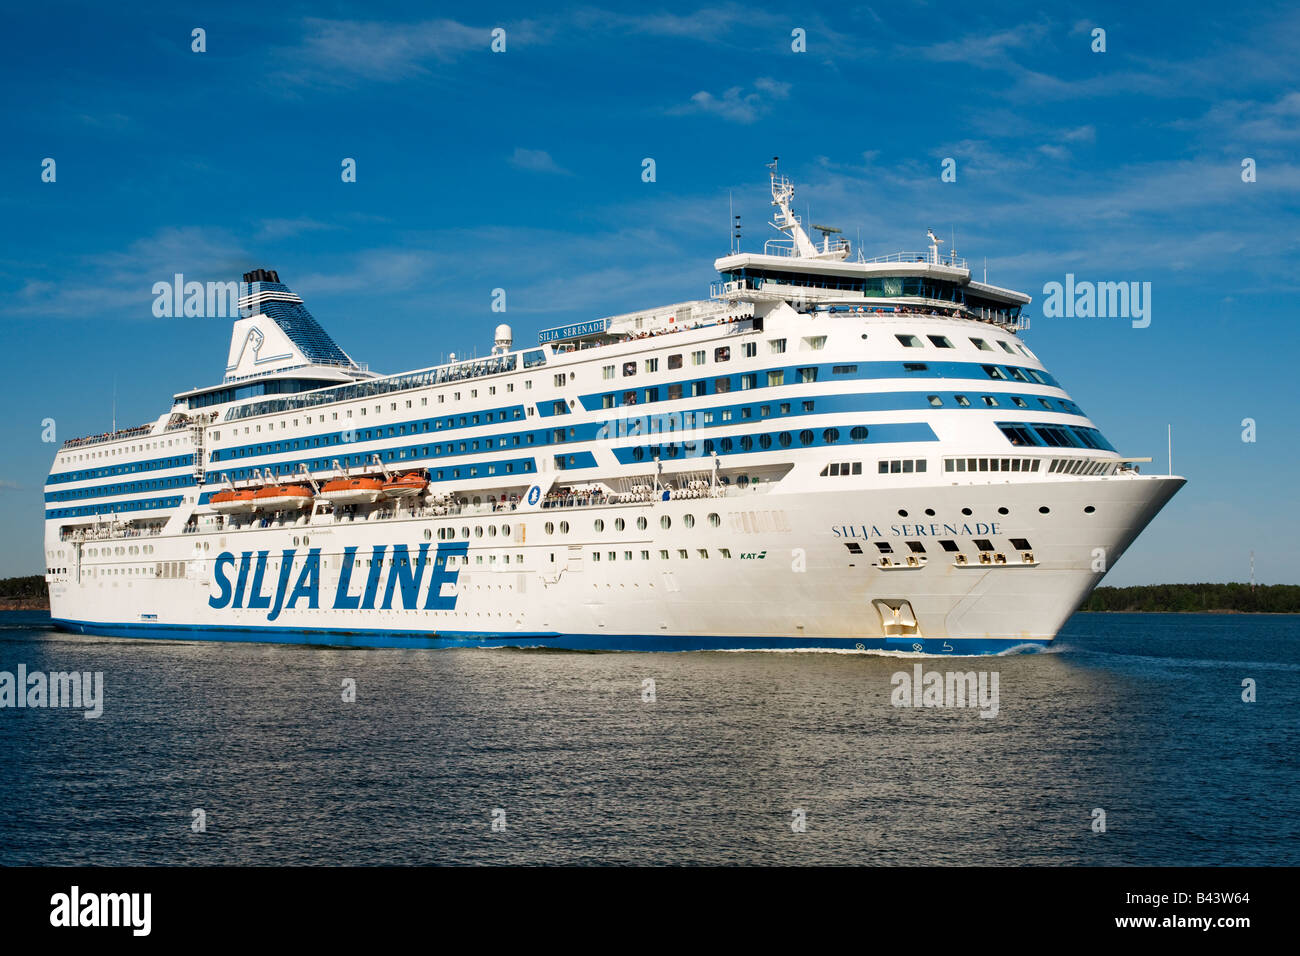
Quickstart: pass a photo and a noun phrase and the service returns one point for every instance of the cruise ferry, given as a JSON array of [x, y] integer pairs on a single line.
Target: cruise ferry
[[830, 451]]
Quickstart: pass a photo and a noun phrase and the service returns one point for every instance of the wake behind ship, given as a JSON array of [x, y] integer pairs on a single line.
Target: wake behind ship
[[826, 453]]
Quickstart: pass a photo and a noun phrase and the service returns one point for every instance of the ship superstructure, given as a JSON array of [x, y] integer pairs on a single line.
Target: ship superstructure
[[827, 452]]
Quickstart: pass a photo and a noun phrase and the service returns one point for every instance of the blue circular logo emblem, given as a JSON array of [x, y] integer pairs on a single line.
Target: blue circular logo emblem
[[534, 495]]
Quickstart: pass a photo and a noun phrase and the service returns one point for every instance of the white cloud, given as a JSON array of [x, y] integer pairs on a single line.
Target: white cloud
[[537, 161], [735, 104]]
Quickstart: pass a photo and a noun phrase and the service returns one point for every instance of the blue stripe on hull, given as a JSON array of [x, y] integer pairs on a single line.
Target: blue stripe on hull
[[581, 642]]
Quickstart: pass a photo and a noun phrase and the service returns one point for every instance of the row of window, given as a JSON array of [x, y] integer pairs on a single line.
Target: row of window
[[943, 342], [948, 545], [1036, 434], [664, 554], [744, 443], [991, 464]]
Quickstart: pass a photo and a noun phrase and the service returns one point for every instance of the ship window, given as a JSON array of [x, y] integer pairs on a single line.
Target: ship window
[[607, 372], [853, 546], [915, 367], [884, 547], [909, 341], [1006, 347], [981, 344], [962, 400], [859, 433], [934, 400], [940, 341], [722, 354], [805, 437], [990, 401], [1018, 375], [831, 435], [984, 544], [721, 385], [748, 381], [949, 546], [844, 370], [652, 365], [1021, 544], [1020, 402], [776, 346], [916, 547], [992, 371], [675, 361], [751, 349], [807, 375], [698, 357], [776, 377]]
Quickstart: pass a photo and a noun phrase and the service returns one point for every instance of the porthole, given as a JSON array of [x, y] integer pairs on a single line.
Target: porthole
[[688, 520], [785, 439], [831, 435], [620, 524], [505, 530], [747, 442], [805, 437], [478, 531], [714, 519], [564, 527], [764, 441], [1003, 511], [550, 527], [859, 433], [665, 522], [929, 512], [295, 542], [305, 541], [1044, 510], [464, 532], [492, 531], [638, 453], [902, 513], [428, 534], [600, 524], [966, 512], [640, 524], [1089, 510]]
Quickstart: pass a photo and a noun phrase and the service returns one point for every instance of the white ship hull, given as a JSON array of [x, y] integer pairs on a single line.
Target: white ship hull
[[790, 580]]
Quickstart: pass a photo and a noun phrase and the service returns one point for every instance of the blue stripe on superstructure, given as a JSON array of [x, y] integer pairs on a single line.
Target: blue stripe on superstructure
[[127, 468], [115, 507], [434, 638], [122, 488], [826, 373], [698, 448]]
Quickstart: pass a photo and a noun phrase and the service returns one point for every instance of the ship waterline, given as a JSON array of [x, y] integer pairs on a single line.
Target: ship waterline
[[826, 454]]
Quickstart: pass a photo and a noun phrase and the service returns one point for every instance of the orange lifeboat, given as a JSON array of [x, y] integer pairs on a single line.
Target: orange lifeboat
[[233, 502], [406, 486], [283, 497], [352, 491]]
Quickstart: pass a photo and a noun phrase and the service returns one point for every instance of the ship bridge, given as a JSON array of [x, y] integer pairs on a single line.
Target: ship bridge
[[800, 271]]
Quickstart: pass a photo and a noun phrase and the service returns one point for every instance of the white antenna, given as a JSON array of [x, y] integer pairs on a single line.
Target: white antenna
[[1171, 449], [1252, 570], [935, 242], [114, 403], [986, 270], [731, 223]]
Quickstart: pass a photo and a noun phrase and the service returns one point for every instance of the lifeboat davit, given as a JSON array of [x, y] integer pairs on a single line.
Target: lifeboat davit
[[352, 491], [283, 497], [406, 486], [233, 502]]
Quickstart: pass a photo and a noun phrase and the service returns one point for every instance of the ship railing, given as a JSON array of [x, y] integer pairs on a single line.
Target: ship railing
[[108, 534], [133, 432], [956, 262]]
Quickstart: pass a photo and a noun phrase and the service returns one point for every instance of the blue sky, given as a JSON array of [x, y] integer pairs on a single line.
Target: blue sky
[[522, 170]]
